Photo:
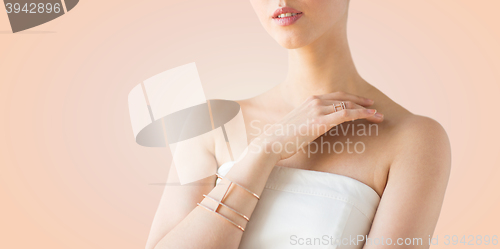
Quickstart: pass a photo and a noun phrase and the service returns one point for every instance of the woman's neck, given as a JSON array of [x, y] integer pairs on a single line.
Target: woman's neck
[[321, 67]]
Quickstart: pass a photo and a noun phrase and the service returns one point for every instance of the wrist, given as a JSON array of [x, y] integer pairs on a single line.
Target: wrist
[[262, 147]]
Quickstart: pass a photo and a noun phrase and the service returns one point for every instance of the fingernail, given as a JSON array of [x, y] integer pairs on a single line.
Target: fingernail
[[370, 100], [378, 115], [371, 111]]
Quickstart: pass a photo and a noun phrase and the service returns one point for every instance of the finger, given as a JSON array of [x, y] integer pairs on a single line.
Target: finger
[[350, 115], [330, 105], [376, 118], [330, 108], [343, 96]]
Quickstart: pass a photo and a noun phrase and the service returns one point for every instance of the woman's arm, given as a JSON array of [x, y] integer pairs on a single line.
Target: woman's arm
[[180, 223], [203, 229], [412, 200], [178, 200]]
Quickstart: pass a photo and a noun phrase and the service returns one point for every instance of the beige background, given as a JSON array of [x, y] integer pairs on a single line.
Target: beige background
[[72, 176]]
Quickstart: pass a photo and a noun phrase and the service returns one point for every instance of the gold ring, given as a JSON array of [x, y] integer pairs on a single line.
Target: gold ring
[[342, 104]]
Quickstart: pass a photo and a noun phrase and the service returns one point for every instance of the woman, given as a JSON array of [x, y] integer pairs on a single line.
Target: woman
[[390, 186]]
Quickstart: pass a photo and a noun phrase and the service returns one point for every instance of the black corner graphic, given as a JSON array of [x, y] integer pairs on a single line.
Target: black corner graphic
[[26, 14]]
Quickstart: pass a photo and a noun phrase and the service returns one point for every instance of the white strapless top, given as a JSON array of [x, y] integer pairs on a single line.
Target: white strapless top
[[309, 209]]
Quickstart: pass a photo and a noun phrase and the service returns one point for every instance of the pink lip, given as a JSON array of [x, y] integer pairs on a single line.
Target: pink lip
[[289, 20]]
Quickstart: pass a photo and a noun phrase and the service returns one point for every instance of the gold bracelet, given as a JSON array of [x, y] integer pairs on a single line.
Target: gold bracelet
[[232, 222], [254, 194], [220, 203]]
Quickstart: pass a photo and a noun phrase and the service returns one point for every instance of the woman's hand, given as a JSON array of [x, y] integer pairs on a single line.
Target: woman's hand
[[312, 119]]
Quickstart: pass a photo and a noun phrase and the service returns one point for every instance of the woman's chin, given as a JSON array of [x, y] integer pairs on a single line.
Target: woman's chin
[[291, 43]]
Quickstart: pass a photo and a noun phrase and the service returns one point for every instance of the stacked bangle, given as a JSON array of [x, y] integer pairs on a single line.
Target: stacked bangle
[[252, 193], [232, 222], [219, 202]]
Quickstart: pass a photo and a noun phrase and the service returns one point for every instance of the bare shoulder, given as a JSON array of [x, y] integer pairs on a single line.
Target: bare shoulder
[[416, 130], [421, 142]]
